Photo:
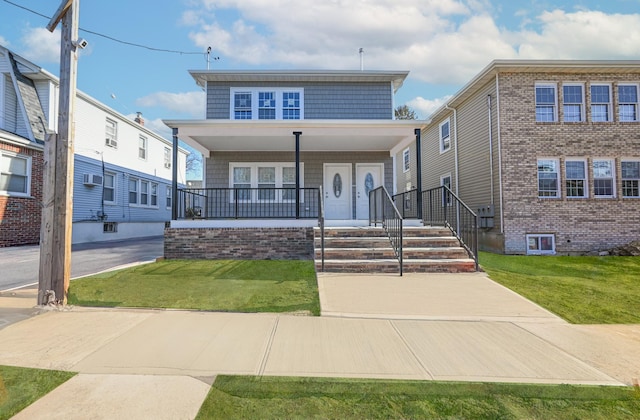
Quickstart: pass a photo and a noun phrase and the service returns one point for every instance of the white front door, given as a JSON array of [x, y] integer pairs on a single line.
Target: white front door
[[368, 178], [337, 191]]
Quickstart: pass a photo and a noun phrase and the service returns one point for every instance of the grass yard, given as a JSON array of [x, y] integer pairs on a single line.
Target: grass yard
[[241, 397], [20, 387], [211, 285], [582, 290]]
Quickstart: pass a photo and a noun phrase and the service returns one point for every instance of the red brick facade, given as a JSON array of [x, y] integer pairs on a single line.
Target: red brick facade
[[20, 216]]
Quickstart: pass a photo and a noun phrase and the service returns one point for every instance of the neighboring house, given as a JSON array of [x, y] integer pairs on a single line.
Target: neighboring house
[[546, 152], [268, 132], [123, 171]]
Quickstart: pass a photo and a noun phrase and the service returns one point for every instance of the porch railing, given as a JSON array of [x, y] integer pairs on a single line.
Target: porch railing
[[321, 225], [382, 210], [441, 207], [247, 203]]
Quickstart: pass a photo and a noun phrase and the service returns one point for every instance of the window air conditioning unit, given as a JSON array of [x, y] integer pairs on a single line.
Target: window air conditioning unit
[[167, 165], [92, 179]]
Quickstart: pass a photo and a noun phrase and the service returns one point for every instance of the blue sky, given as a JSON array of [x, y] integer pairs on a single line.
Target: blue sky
[[443, 43]]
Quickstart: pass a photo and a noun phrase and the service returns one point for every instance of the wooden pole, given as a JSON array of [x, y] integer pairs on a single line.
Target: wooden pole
[[55, 252]]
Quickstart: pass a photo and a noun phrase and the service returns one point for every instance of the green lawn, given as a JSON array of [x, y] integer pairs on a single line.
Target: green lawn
[[212, 285], [241, 397], [582, 290], [20, 387]]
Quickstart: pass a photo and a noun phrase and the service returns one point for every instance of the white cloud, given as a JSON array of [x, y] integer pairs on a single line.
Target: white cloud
[[41, 46], [425, 107], [4, 42], [191, 103], [156, 126]]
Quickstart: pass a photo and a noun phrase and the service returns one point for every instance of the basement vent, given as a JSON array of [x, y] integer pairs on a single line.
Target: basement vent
[[110, 227]]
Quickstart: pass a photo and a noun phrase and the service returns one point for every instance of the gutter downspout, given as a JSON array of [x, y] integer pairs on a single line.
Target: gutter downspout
[[455, 158], [490, 146], [418, 133], [297, 134], [499, 156], [174, 177]]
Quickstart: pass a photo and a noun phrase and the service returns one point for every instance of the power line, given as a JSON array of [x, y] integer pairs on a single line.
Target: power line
[[132, 44]]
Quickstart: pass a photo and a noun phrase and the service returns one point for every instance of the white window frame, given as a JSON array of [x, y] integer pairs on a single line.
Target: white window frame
[[442, 184], [406, 160], [136, 182], [254, 93], [607, 104], [612, 163], [168, 197], [144, 188], [142, 147], [445, 142], [623, 117], [111, 139], [566, 103], [167, 157], [557, 172], [27, 175], [585, 179], [254, 181], [114, 188], [538, 237], [541, 105], [630, 179]]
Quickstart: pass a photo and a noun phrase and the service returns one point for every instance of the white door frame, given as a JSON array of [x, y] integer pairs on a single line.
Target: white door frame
[[359, 165], [347, 187]]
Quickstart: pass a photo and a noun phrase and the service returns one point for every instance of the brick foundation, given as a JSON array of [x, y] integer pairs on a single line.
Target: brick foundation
[[239, 243]]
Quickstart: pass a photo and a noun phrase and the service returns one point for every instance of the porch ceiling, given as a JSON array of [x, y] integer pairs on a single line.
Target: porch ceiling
[[317, 135]]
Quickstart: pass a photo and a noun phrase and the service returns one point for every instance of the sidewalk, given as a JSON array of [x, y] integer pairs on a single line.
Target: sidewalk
[[159, 363]]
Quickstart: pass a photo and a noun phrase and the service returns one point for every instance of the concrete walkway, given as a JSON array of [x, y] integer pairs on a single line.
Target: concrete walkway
[[160, 363]]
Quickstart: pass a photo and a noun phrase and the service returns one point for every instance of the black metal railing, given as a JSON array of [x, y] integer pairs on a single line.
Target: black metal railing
[[441, 207], [382, 210], [247, 203], [321, 225]]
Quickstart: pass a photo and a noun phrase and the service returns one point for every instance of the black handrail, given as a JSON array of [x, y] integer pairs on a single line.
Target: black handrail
[[383, 210], [441, 207], [321, 223]]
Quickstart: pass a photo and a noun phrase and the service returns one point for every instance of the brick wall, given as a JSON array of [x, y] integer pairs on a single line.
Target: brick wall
[[20, 216], [579, 224], [239, 243]]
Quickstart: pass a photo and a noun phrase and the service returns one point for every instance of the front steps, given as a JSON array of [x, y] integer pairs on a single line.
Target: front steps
[[368, 250]]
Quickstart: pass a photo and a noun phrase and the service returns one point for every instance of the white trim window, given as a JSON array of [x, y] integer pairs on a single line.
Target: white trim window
[[154, 194], [266, 104], [631, 178], [604, 183], [15, 174], [133, 191], [143, 193], [445, 135], [541, 244], [142, 147], [445, 181], [167, 157], [575, 175], [628, 102], [109, 188], [406, 160], [573, 102], [111, 133], [548, 179], [600, 102], [264, 181], [169, 192], [546, 102]]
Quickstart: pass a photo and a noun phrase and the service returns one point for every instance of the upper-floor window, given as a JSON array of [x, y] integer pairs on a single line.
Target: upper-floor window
[[573, 102], [576, 178], [15, 174], [628, 102], [548, 178], [445, 136], [267, 104], [111, 133], [142, 147], [167, 157], [604, 178], [600, 103], [109, 188], [406, 160], [631, 178], [546, 102]]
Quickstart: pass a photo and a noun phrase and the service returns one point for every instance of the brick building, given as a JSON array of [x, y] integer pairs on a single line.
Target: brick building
[[546, 152]]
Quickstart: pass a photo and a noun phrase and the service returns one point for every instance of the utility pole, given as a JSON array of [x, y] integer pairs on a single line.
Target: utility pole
[[55, 233]]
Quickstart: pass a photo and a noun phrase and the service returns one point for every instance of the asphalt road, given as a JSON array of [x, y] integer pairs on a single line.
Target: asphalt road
[[19, 265]]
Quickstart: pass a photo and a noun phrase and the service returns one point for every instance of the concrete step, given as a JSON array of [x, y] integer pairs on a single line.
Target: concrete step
[[373, 232], [388, 253], [392, 266], [382, 242]]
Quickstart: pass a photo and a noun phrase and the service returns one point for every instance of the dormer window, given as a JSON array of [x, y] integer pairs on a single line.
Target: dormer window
[[267, 104]]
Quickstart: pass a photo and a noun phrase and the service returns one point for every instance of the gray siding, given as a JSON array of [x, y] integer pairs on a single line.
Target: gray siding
[[321, 100], [436, 164], [13, 121], [406, 181]]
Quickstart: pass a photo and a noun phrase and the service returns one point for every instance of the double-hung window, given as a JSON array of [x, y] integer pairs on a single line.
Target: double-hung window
[[546, 102], [143, 193], [266, 183], [111, 133], [167, 157], [628, 102], [445, 181], [289, 182], [169, 190], [406, 160], [630, 178], [133, 190], [573, 102], [548, 178], [600, 103], [15, 174], [604, 178], [109, 188], [576, 178], [267, 103], [445, 136], [271, 182], [242, 182], [142, 147]]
